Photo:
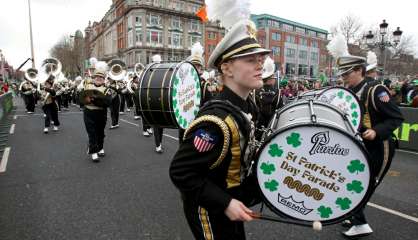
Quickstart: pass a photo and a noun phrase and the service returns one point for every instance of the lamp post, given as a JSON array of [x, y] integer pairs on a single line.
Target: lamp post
[[371, 41], [31, 37]]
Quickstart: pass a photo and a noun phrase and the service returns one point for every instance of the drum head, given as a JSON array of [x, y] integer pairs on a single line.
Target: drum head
[[313, 173], [346, 101], [185, 94]]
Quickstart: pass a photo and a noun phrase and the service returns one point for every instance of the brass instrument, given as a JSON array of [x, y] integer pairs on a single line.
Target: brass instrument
[[27, 87], [117, 70], [132, 85], [50, 69]]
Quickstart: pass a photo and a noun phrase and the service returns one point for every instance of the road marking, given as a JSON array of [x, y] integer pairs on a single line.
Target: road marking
[[41, 114], [406, 151], [4, 159], [12, 128], [15, 117], [169, 136], [388, 210]]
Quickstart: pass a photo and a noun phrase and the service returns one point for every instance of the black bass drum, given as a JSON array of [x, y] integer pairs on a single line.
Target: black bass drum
[[169, 94]]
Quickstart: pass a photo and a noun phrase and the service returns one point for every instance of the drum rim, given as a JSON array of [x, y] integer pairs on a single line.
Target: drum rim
[[362, 203], [354, 95]]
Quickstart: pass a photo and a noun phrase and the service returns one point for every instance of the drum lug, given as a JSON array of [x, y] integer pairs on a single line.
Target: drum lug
[[311, 108]]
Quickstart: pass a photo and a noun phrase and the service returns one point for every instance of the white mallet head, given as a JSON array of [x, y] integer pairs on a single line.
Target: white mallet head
[[317, 226]]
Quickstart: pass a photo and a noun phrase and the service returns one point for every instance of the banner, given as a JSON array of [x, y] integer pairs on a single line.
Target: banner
[[408, 132]]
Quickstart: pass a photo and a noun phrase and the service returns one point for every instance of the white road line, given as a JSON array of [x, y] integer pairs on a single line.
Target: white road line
[[12, 128], [399, 214], [41, 114], [15, 117], [169, 136], [406, 151], [4, 159]]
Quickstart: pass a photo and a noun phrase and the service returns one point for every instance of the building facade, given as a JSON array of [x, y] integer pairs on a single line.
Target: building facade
[[297, 49], [135, 30]]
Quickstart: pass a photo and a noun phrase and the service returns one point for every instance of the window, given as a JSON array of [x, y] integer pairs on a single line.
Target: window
[[138, 38], [194, 39], [288, 27], [211, 35], [300, 30], [138, 21], [314, 43], [276, 36], [175, 39], [311, 33], [211, 48], [130, 38], [290, 52], [290, 68], [154, 37], [176, 23], [154, 20], [261, 22], [273, 23], [194, 26], [303, 54], [321, 35], [314, 56], [276, 51], [194, 8], [303, 69], [290, 39], [303, 41]]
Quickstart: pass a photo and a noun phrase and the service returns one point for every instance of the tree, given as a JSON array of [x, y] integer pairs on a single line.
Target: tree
[[350, 27], [69, 52]]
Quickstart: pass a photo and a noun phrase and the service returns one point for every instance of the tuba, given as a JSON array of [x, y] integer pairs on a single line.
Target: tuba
[[88, 89], [51, 68], [31, 75], [132, 86], [117, 70]]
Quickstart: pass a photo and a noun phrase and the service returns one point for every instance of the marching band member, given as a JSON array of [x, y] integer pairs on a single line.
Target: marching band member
[[114, 92], [381, 116], [158, 131], [95, 111], [146, 130], [209, 166], [49, 107], [28, 88], [268, 97]]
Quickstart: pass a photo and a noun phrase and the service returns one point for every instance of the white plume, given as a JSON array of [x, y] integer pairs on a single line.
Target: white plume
[[228, 12], [337, 47], [197, 49], [93, 61], [205, 75], [156, 58], [101, 66], [212, 74], [371, 58]]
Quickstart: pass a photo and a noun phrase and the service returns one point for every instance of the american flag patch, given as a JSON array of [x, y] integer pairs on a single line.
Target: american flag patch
[[384, 97], [203, 141]]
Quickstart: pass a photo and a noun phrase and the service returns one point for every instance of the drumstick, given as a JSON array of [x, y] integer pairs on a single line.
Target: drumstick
[[316, 225]]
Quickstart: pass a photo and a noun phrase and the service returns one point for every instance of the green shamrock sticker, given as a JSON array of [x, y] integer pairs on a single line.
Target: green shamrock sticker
[[340, 94], [353, 106], [355, 186], [348, 98], [293, 139], [354, 122], [267, 168], [355, 166], [175, 103], [325, 212], [343, 203], [174, 92], [177, 113], [275, 150], [271, 185], [354, 114]]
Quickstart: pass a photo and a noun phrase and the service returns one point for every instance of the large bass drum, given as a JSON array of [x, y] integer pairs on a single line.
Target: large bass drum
[[340, 97], [312, 167], [169, 94]]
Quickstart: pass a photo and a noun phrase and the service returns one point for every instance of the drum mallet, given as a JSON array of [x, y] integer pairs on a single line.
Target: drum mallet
[[316, 225]]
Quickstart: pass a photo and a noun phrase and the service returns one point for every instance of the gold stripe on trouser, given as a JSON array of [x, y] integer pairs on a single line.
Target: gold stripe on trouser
[[233, 178], [205, 222], [385, 158]]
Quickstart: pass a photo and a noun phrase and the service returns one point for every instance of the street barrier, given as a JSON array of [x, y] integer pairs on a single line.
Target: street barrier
[[408, 132]]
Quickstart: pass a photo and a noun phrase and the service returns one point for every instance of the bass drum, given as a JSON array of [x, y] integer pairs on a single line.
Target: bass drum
[[169, 94], [313, 168]]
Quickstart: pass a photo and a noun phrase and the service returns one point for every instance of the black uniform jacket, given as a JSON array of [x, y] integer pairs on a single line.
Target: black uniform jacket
[[207, 166]]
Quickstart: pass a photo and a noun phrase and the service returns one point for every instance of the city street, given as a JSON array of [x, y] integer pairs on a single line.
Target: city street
[[52, 190]]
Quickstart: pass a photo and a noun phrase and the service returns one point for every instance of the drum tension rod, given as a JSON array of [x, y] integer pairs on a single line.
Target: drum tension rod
[[313, 115]]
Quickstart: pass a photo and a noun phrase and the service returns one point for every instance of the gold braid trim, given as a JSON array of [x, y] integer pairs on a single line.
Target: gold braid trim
[[233, 178], [222, 125]]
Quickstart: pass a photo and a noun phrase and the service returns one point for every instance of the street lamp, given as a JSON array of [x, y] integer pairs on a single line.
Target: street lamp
[[371, 42]]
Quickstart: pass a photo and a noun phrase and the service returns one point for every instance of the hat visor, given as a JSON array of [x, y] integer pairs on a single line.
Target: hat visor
[[251, 51], [371, 67], [344, 70]]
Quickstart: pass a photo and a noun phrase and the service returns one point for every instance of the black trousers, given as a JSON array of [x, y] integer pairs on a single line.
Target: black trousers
[[207, 225], [51, 112], [122, 103], [181, 134], [114, 110], [95, 122], [65, 100], [58, 98], [135, 98], [379, 168], [158, 135], [128, 99], [29, 102]]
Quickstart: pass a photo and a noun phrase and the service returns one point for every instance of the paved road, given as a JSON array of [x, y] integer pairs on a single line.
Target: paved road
[[51, 190]]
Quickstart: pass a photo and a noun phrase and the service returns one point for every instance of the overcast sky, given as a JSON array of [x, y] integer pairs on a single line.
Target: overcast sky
[[51, 19]]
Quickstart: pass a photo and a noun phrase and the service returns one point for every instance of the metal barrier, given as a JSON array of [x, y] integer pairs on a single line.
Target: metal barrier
[[408, 132], [6, 106]]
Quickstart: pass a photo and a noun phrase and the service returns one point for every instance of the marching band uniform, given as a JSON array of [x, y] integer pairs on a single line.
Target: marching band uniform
[[381, 116], [114, 92], [95, 115], [27, 89], [209, 166], [146, 130], [50, 106]]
